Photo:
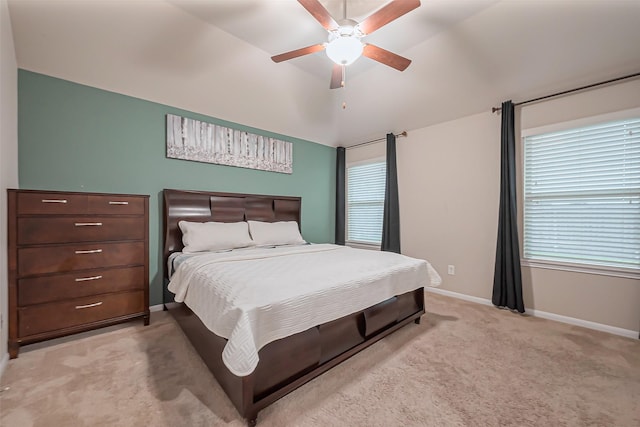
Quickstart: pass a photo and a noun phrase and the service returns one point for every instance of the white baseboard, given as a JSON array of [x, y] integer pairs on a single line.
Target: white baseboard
[[545, 315], [465, 297], [584, 323], [157, 307], [3, 363]]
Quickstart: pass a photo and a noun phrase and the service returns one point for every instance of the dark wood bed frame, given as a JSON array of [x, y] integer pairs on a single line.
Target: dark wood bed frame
[[290, 362]]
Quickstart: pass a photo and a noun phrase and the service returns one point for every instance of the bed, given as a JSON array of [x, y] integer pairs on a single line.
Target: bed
[[294, 353]]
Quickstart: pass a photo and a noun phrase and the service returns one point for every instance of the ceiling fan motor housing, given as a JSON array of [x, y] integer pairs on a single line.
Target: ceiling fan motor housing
[[344, 45]]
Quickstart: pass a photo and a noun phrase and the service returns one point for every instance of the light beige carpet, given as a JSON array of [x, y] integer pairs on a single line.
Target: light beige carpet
[[465, 365]]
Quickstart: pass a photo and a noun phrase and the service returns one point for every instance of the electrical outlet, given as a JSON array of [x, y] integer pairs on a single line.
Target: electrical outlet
[[451, 270]]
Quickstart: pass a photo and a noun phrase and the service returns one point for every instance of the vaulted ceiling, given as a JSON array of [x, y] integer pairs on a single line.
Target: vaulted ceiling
[[213, 57]]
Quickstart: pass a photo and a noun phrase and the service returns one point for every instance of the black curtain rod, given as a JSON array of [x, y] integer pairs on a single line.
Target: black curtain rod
[[630, 76], [403, 133]]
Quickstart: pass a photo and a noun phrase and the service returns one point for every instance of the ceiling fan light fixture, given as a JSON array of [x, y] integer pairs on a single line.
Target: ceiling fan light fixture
[[344, 50]]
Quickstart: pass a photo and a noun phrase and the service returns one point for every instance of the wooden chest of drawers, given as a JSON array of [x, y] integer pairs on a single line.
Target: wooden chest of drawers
[[77, 261]]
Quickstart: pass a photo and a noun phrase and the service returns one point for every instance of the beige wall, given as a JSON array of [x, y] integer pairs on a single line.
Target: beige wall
[[366, 152], [449, 176], [8, 154]]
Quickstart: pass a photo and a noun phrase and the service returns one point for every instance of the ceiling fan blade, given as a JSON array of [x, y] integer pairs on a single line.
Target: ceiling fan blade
[[385, 57], [336, 77], [321, 14], [298, 52], [392, 10]]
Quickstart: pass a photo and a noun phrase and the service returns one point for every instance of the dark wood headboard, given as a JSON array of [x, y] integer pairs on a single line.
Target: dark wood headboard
[[203, 206]]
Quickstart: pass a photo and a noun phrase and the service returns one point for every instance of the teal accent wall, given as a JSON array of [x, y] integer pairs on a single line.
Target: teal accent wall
[[73, 137]]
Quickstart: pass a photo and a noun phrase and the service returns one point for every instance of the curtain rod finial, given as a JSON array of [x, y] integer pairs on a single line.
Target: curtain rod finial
[[403, 133], [495, 109]]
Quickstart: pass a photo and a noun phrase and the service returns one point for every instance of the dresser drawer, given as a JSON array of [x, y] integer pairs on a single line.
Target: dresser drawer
[[81, 256], [50, 317], [116, 205], [35, 203], [42, 230], [38, 290]]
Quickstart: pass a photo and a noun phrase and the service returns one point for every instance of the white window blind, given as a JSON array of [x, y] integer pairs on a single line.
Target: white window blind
[[365, 202], [582, 195]]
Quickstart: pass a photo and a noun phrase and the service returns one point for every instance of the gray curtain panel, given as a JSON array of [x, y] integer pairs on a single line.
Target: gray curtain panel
[[340, 195], [391, 218], [507, 279]]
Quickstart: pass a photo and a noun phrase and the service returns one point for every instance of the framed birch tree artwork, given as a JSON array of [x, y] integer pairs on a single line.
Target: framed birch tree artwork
[[190, 139]]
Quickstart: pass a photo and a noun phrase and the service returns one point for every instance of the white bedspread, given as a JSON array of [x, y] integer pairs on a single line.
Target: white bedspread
[[256, 296]]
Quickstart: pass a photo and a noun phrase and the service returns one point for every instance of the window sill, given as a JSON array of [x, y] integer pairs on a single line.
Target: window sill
[[626, 273], [360, 245]]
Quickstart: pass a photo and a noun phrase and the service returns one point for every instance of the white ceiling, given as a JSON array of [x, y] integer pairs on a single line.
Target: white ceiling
[[279, 26], [213, 57]]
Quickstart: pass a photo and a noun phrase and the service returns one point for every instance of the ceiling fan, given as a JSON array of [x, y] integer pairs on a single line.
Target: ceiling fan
[[344, 45]]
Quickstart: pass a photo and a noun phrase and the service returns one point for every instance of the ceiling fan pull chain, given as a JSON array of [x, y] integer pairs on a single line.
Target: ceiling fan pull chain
[[344, 76]]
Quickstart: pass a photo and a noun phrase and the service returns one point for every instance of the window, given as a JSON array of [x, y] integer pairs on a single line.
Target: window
[[365, 202], [582, 195]]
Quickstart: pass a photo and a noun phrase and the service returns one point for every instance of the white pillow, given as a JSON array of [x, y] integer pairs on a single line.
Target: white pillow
[[214, 236], [275, 233]]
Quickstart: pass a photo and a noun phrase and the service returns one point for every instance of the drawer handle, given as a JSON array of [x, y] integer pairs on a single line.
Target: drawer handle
[[95, 304], [54, 201], [84, 279], [86, 224], [118, 203], [91, 251]]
